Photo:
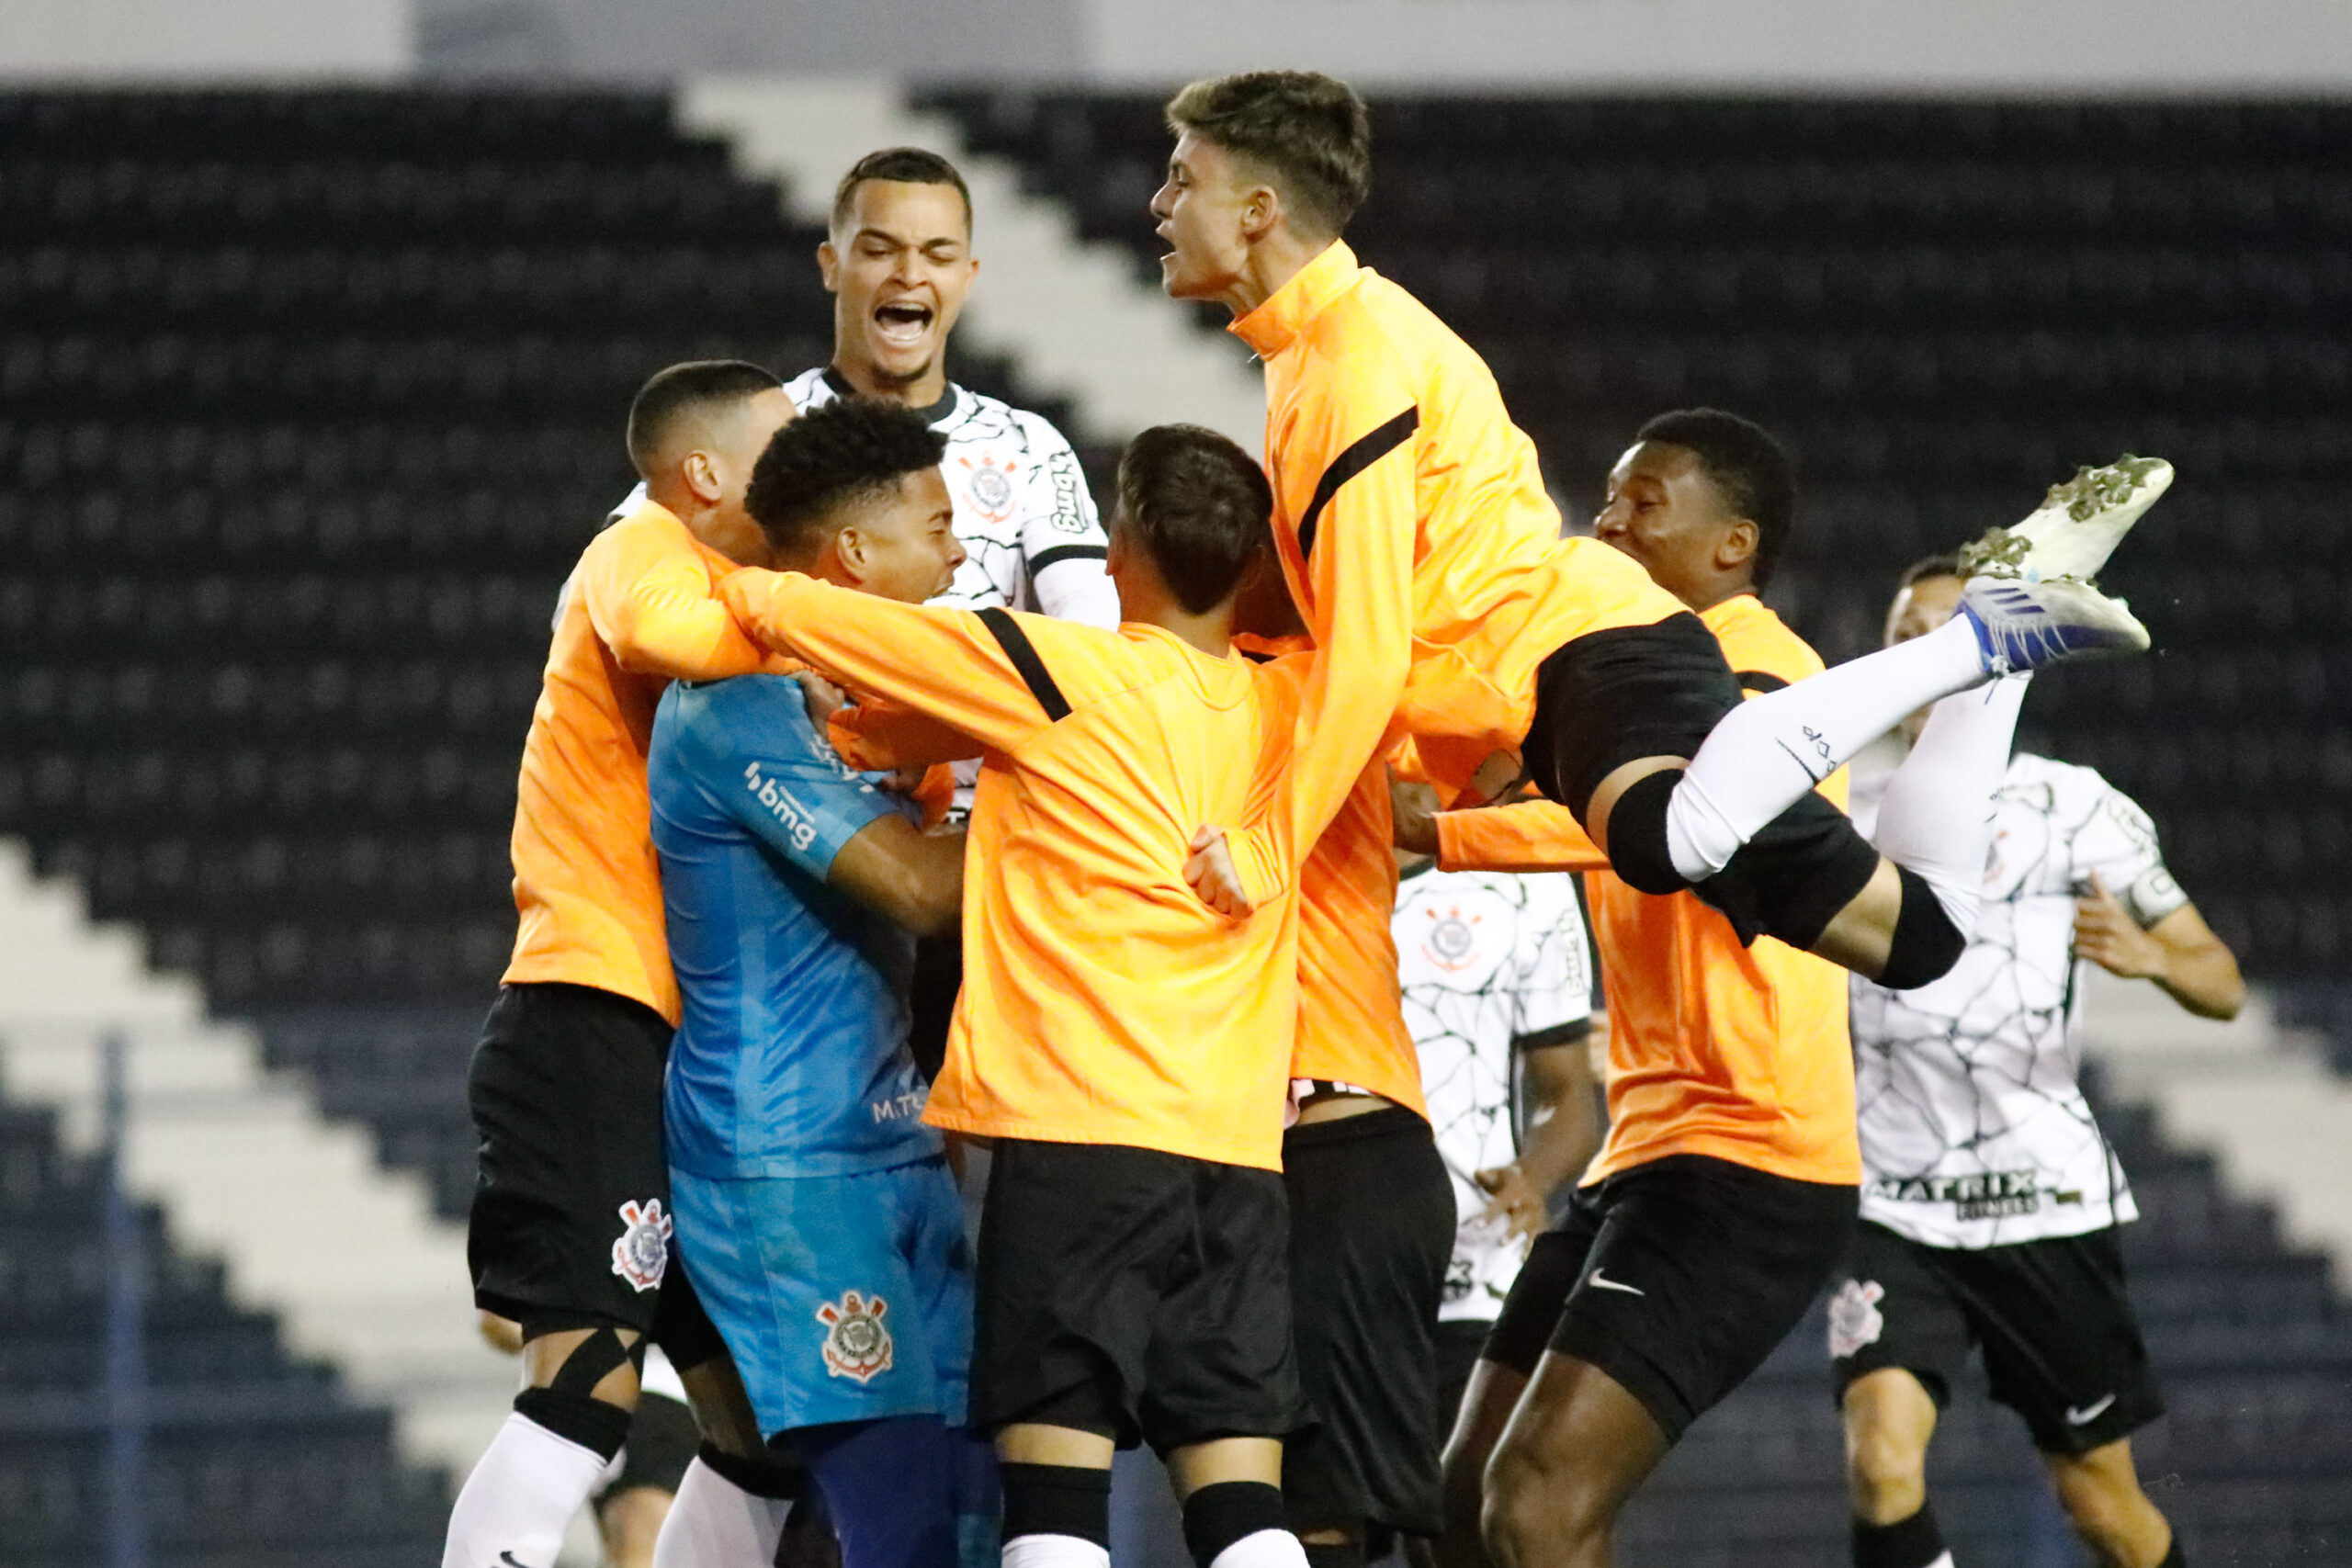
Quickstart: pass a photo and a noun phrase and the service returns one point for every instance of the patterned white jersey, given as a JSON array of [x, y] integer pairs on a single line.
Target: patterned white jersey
[[1485, 957], [1028, 523], [1974, 1133]]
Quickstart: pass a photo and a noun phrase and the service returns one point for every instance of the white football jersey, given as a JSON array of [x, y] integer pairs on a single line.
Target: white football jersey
[[1975, 1131], [1022, 507], [1485, 957]]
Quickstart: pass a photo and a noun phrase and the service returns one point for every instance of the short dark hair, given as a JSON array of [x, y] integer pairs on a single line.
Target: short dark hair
[[673, 394], [1943, 563], [1751, 469], [1200, 505], [1311, 132], [842, 452], [901, 166]]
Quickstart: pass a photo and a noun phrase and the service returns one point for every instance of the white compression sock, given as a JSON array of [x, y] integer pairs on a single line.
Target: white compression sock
[[1936, 818], [714, 1523], [521, 1495], [1263, 1549], [1054, 1552], [1762, 756]]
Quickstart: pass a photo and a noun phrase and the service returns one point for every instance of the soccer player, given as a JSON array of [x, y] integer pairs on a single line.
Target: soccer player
[[1497, 993], [1725, 1192], [570, 1226], [824, 1229], [1416, 535], [1991, 1202], [1125, 1046], [898, 261]]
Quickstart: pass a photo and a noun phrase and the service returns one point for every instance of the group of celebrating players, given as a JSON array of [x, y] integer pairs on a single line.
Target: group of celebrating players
[[1259, 1123]]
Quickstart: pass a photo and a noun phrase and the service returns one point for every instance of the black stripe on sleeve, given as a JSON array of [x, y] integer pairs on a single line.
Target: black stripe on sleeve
[[1758, 681], [1060, 553], [1362, 453], [1023, 654]]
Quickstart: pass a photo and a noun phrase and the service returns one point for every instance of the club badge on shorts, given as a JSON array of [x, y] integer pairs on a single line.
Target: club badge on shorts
[[643, 1250], [1854, 1318], [856, 1345]]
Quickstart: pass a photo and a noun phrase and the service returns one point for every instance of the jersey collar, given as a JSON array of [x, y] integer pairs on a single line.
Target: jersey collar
[[932, 415], [1275, 325]]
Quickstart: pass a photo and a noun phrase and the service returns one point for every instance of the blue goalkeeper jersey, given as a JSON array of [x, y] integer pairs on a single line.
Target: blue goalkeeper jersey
[[791, 1058]]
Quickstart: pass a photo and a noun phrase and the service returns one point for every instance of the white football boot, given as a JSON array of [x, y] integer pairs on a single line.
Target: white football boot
[[2024, 626], [2076, 527]]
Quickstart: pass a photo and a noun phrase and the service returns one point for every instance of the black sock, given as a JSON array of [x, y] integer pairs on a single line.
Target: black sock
[[1216, 1517], [1057, 1499], [1907, 1543]]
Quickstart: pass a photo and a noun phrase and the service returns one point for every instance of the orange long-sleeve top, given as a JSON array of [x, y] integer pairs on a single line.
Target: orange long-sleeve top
[[640, 610], [1417, 540], [1103, 1002], [1352, 1025], [1739, 1053]]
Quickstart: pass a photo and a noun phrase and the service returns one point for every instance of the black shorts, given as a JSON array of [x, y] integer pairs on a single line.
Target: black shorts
[[1676, 1277], [1461, 1344], [570, 1223], [2061, 1348], [663, 1441], [1371, 1223], [1142, 1295]]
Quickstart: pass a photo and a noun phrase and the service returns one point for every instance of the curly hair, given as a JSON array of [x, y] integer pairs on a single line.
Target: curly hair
[[846, 452]]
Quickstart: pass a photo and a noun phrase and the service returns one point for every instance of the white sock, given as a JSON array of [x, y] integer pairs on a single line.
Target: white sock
[[1936, 818], [1763, 755], [1263, 1549], [521, 1495], [1054, 1552], [714, 1523]]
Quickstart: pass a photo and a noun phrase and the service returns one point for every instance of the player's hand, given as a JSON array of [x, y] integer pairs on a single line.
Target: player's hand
[[1511, 1199], [2106, 933], [1414, 807], [823, 698], [1210, 872]]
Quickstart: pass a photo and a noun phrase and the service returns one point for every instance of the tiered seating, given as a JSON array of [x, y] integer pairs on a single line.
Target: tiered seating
[[1943, 307], [255, 1459], [308, 401]]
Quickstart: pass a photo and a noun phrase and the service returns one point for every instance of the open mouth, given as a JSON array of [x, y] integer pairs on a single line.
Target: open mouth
[[903, 324]]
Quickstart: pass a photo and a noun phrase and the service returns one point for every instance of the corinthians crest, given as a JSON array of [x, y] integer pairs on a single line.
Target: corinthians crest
[[856, 1345], [643, 1250]]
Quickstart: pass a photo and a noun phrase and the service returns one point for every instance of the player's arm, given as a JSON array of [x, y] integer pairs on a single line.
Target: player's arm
[[1562, 1126], [756, 748], [2179, 953], [1062, 542], [976, 671], [883, 735], [1528, 835], [1349, 464], [650, 600], [914, 877]]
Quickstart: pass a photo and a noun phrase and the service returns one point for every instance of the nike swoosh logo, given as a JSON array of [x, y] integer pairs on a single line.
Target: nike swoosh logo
[[508, 1560], [1601, 1281], [2084, 1415]]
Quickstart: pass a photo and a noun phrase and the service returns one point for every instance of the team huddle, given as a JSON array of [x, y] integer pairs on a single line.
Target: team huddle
[[1239, 831]]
